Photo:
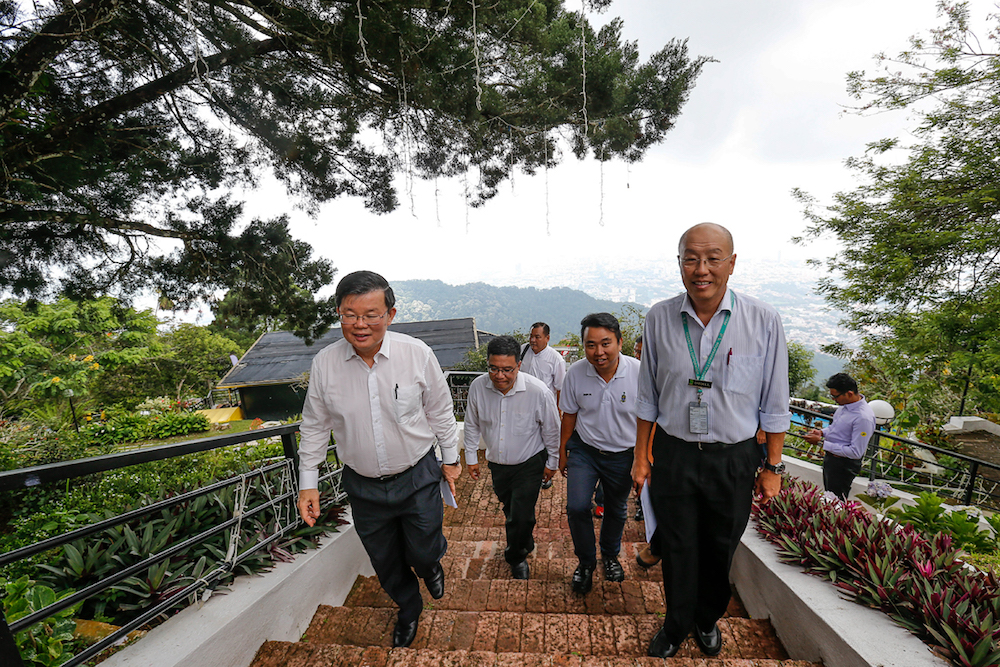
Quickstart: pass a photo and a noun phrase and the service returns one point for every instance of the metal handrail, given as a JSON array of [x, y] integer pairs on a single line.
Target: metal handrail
[[973, 484], [49, 473]]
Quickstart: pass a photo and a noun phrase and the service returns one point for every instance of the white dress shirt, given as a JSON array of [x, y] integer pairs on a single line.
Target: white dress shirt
[[385, 418], [515, 426], [749, 374], [548, 366], [605, 411]]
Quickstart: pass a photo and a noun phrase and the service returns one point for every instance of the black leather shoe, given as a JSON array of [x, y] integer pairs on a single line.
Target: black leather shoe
[[520, 570], [435, 582], [709, 642], [613, 569], [583, 578], [403, 633], [660, 646]]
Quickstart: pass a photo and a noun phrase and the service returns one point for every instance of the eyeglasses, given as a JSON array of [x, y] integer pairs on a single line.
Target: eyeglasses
[[370, 320], [834, 396], [496, 370], [695, 262]]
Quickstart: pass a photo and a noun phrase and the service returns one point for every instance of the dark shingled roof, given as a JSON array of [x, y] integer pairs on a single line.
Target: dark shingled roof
[[280, 357]]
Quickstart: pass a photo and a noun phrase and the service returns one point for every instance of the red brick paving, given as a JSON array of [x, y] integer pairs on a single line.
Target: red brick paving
[[488, 619]]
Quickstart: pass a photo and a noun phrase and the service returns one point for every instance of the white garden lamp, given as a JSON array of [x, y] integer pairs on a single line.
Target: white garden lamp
[[883, 412]]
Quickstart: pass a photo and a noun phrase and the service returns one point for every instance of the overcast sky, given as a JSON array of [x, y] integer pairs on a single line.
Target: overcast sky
[[768, 117]]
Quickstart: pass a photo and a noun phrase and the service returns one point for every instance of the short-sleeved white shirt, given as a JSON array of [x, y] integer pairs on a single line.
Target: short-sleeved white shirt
[[548, 366], [605, 411]]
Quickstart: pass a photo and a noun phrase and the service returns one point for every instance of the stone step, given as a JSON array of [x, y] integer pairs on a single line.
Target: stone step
[[552, 561], [626, 597], [633, 533], [288, 654], [536, 596], [622, 635]]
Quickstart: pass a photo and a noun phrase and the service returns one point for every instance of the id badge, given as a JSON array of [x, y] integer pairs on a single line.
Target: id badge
[[697, 418]]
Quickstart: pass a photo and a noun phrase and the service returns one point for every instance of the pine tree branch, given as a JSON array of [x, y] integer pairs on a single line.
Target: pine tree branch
[[20, 72]]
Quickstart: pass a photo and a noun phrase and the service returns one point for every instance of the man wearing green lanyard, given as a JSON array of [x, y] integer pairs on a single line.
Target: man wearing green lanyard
[[714, 367]]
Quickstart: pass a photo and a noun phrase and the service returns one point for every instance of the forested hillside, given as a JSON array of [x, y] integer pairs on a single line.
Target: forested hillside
[[497, 309]]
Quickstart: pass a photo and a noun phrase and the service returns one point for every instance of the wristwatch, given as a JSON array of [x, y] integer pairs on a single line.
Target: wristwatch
[[777, 470]]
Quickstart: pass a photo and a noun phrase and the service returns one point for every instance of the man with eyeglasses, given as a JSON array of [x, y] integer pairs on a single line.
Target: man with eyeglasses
[[384, 398], [517, 417], [845, 440], [714, 366], [596, 441]]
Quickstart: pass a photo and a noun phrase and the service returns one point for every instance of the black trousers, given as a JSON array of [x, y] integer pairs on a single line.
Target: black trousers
[[399, 523], [839, 474], [702, 497], [517, 488]]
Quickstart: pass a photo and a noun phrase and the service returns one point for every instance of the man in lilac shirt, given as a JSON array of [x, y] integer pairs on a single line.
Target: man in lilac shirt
[[845, 440]]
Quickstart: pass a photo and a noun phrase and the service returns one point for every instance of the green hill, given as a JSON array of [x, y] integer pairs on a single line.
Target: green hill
[[497, 309]]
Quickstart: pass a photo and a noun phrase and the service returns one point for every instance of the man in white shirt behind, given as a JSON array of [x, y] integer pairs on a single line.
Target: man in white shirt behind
[[517, 417], [383, 396], [543, 362]]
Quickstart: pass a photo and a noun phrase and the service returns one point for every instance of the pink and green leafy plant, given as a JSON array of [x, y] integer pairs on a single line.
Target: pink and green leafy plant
[[918, 580]]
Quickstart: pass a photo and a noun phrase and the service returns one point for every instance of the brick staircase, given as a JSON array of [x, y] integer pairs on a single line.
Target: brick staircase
[[486, 618]]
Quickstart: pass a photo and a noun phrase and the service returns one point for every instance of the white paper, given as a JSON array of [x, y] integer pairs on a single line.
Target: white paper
[[447, 495], [648, 516]]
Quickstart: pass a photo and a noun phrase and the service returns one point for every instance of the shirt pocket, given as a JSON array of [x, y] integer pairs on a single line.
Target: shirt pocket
[[524, 424], [407, 403], [744, 374]]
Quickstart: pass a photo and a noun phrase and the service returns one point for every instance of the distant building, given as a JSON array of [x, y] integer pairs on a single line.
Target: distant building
[[271, 378]]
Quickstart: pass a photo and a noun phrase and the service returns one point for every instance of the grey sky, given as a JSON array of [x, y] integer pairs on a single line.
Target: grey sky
[[766, 118]]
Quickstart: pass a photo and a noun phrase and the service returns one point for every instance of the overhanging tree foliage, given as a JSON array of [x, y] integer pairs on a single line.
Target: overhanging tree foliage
[[123, 125], [919, 269]]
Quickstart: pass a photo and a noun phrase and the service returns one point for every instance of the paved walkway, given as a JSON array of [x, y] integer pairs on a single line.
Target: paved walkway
[[488, 619]]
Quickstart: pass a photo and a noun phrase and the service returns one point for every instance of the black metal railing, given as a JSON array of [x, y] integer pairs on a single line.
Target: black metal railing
[[277, 482], [915, 464], [458, 383]]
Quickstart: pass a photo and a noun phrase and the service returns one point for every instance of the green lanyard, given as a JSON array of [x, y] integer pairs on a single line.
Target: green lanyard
[[699, 373]]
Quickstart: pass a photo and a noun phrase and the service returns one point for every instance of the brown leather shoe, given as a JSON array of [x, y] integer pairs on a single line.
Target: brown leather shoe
[[645, 558]]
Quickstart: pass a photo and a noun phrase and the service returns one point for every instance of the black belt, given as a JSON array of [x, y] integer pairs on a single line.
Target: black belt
[[389, 478], [576, 440], [708, 446]]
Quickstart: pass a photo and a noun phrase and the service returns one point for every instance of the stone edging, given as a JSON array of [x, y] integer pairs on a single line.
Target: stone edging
[[811, 617]]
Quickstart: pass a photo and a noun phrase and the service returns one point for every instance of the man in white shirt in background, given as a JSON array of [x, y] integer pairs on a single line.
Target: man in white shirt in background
[[517, 417], [385, 399], [543, 362]]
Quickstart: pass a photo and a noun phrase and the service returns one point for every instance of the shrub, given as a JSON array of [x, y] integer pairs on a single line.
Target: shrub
[[175, 423], [44, 643], [918, 581]]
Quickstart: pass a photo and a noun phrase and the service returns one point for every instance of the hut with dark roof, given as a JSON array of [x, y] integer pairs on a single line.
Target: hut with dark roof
[[271, 378]]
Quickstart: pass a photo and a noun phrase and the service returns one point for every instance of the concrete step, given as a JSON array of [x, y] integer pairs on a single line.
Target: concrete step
[[289, 654], [622, 635]]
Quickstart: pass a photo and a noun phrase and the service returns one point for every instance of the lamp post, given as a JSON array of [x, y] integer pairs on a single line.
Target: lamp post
[[884, 414]]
